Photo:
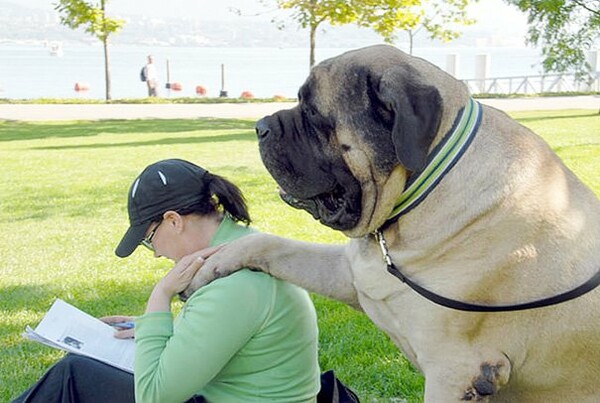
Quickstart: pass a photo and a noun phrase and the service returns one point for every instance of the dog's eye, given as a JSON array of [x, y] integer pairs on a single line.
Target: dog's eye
[[316, 123], [310, 111]]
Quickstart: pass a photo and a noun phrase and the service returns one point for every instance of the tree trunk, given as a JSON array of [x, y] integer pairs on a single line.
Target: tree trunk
[[106, 54], [410, 41], [313, 40], [107, 69]]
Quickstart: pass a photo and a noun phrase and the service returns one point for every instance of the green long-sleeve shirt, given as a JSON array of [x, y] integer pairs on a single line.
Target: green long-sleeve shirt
[[242, 338]]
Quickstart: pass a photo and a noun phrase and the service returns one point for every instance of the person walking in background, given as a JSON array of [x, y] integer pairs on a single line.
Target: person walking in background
[[151, 76]]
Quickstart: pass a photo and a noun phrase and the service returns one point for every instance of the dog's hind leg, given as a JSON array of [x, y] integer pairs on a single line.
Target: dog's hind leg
[[458, 383], [486, 384]]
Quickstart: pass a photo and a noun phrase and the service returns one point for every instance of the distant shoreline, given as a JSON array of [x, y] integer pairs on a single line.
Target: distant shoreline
[[34, 73]]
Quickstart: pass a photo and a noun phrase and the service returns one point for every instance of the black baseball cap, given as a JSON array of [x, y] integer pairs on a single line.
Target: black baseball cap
[[165, 185]]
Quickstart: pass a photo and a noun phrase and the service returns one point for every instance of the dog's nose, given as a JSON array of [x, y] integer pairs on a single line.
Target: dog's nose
[[262, 129]]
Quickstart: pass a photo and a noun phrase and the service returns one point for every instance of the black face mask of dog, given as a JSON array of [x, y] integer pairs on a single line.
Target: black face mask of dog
[[301, 150]]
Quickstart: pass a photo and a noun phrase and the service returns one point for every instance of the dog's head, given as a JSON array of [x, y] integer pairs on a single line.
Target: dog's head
[[364, 121]]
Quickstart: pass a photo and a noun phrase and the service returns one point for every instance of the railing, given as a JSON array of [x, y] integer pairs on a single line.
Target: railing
[[533, 84]]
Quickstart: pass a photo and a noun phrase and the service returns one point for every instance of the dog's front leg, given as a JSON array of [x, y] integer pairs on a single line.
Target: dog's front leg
[[319, 268]]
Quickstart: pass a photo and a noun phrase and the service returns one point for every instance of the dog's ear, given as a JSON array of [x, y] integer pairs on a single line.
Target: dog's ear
[[417, 110]]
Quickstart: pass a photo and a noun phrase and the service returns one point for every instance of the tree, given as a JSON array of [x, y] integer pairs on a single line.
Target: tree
[[440, 18], [92, 16], [565, 29], [312, 13]]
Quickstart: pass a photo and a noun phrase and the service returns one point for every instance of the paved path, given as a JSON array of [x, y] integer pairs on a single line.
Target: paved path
[[42, 112]]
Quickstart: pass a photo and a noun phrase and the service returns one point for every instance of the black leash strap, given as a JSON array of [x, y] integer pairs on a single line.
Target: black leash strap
[[465, 306]]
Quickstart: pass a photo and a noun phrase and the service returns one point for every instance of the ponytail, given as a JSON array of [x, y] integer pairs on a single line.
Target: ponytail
[[218, 194], [229, 196]]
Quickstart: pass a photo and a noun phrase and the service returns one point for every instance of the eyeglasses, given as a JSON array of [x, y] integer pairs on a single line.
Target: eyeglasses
[[147, 242]]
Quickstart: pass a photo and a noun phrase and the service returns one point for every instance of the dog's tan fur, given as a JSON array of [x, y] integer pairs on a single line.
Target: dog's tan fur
[[509, 224]]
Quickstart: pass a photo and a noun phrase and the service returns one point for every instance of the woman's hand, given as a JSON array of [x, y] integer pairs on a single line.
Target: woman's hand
[[177, 280], [121, 332], [184, 270]]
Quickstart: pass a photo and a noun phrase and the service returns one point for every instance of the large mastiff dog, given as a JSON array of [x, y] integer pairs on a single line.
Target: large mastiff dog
[[469, 208]]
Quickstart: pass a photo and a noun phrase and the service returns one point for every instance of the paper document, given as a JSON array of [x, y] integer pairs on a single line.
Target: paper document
[[68, 328]]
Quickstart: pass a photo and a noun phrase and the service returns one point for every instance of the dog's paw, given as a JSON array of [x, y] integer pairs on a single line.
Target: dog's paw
[[203, 277]]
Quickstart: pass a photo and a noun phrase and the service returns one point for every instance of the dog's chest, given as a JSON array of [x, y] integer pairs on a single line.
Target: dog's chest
[[383, 298]]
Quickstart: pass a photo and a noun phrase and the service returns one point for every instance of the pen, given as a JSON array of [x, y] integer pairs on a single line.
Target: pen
[[124, 325]]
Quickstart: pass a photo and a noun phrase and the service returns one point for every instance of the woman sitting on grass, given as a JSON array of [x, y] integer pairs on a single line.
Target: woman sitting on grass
[[246, 337]]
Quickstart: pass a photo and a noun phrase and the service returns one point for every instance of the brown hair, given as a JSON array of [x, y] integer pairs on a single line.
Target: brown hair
[[222, 195]]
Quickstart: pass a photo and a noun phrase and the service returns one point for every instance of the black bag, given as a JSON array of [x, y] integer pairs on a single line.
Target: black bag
[[334, 391], [143, 74]]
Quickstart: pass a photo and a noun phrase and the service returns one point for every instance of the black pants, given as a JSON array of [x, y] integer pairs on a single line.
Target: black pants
[[80, 379]]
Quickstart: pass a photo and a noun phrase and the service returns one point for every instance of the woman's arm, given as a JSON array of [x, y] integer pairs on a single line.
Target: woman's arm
[[173, 364]]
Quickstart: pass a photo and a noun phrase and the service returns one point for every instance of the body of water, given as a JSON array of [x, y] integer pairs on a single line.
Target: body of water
[[30, 71]]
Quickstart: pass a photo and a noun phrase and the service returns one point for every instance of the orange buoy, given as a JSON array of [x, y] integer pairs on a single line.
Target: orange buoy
[[247, 95], [176, 86], [200, 90], [81, 86]]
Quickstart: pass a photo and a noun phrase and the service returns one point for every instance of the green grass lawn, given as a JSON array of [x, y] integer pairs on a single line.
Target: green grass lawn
[[62, 211]]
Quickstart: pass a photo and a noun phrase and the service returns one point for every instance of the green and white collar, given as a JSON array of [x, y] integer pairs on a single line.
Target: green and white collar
[[440, 161]]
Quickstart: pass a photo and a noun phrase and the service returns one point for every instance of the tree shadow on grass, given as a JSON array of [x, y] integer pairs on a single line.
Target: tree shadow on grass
[[19, 297], [105, 297], [583, 115], [573, 147], [247, 136], [14, 131]]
